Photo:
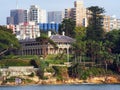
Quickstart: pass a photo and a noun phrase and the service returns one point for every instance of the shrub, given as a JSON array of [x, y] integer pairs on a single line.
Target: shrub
[[59, 78], [60, 72], [84, 74], [31, 75], [28, 80], [14, 62], [50, 69]]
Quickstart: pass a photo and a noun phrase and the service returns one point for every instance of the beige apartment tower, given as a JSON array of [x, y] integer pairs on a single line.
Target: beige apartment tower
[[78, 13], [106, 23]]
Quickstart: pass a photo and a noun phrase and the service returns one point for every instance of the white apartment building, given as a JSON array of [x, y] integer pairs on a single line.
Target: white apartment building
[[118, 23], [113, 23], [37, 14], [26, 30], [110, 23], [43, 16]]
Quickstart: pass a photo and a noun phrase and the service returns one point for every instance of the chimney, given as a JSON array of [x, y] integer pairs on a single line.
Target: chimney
[[49, 33], [63, 33]]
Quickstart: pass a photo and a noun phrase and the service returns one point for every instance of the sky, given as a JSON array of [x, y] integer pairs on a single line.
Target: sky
[[112, 7]]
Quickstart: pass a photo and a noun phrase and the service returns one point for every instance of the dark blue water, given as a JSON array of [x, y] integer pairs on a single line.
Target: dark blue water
[[63, 87]]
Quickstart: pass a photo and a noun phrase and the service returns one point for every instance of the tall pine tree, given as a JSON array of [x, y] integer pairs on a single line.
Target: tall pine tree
[[95, 29]]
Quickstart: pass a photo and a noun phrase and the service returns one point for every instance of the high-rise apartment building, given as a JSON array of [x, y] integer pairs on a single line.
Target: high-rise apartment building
[[55, 16], [33, 14], [106, 23], [113, 23], [78, 13], [118, 23], [38, 15], [43, 16], [110, 23], [26, 16], [17, 16]]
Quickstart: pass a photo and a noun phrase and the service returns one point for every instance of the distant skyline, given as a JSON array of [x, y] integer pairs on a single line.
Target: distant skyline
[[111, 7]]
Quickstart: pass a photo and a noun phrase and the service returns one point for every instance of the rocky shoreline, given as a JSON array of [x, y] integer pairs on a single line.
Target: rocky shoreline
[[53, 81]]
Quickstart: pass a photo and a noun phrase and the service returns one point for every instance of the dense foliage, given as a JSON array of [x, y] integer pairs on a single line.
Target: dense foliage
[[7, 40], [114, 37], [61, 73], [67, 26], [94, 47], [95, 30], [14, 62]]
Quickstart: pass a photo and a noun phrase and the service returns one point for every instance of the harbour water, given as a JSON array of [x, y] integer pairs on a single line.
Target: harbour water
[[64, 87]]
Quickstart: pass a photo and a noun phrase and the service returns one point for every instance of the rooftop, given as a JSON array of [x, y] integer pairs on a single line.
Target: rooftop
[[55, 38], [61, 38]]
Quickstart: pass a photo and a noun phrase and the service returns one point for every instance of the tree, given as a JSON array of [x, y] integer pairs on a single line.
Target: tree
[[95, 33], [114, 37], [80, 33], [95, 30], [33, 63], [92, 50], [79, 47], [80, 44], [67, 26], [44, 41], [7, 40], [40, 71]]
